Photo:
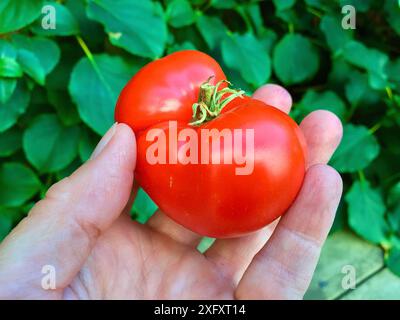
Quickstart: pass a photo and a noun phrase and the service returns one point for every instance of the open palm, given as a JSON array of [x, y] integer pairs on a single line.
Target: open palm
[[83, 230]]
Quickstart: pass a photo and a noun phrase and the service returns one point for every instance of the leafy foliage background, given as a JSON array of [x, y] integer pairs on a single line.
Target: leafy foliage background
[[58, 87]]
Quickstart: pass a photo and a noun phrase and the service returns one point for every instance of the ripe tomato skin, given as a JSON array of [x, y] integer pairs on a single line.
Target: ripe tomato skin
[[166, 89], [211, 199]]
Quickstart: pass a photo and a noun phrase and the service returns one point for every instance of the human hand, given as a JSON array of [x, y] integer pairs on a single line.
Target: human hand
[[83, 229]]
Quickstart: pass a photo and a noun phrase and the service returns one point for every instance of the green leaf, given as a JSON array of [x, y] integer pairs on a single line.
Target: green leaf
[[246, 54], [327, 100], [10, 142], [335, 35], [291, 18], [393, 71], [295, 59], [340, 221], [179, 13], [339, 72], [46, 51], [7, 88], [17, 184], [7, 50], [57, 86], [393, 261], [143, 207], [9, 68], [7, 218], [389, 135], [252, 12], [359, 55], [181, 46], [141, 30], [66, 24], [283, 4], [31, 66], [49, 145], [205, 244], [359, 5], [393, 202], [190, 32], [366, 212], [238, 82], [357, 149], [356, 87], [377, 81], [90, 30], [386, 165], [320, 4], [5, 225], [17, 14], [394, 195], [392, 10], [212, 29], [14, 107], [394, 218], [267, 38], [64, 106], [87, 145], [58, 78], [223, 4], [68, 170], [95, 86]]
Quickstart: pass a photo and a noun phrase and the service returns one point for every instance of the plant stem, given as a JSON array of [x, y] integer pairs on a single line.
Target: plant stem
[[375, 128], [92, 61], [314, 12], [361, 176]]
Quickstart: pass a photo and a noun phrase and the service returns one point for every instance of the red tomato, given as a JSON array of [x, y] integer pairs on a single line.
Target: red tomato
[[166, 89], [208, 198]]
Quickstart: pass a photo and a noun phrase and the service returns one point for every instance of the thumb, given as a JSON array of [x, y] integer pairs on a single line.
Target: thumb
[[61, 229]]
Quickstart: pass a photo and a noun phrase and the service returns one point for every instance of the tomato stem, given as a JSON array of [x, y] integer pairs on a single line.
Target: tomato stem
[[212, 100]]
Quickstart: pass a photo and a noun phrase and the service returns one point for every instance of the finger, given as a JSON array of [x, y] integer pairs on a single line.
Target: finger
[[270, 94], [284, 267], [132, 197], [323, 132], [233, 256], [61, 230], [274, 95], [163, 224]]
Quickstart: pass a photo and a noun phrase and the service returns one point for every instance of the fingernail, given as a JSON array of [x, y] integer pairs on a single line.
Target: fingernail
[[104, 141]]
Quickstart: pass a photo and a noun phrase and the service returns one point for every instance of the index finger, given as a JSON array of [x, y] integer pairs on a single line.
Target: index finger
[[274, 95]]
